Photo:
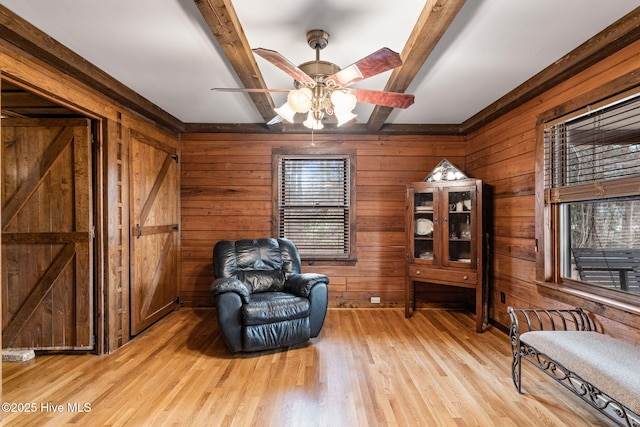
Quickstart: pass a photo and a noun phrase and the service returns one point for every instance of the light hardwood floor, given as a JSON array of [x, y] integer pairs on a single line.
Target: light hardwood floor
[[368, 367]]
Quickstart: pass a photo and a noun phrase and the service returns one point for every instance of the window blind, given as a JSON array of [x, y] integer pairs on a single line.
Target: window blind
[[594, 147], [314, 204]]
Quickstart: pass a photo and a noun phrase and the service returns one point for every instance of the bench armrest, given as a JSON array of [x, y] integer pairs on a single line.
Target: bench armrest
[[529, 319]]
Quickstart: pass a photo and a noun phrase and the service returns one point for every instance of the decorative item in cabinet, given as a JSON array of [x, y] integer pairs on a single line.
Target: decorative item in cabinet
[[445, 244]]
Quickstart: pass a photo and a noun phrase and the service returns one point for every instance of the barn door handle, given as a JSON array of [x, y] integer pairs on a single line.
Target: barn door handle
[[139, 231]]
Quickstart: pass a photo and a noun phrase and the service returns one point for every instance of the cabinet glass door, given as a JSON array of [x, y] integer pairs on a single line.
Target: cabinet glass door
[[460, 225], [423, 227]]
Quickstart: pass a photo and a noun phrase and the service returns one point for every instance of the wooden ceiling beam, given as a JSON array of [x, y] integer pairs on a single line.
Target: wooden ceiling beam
[[224, 24], [434, 20]]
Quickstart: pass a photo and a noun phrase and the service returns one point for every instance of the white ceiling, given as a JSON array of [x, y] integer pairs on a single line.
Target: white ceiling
[[164, 50]]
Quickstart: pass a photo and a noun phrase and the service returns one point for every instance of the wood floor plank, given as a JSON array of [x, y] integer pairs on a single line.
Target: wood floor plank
[[368, 367]]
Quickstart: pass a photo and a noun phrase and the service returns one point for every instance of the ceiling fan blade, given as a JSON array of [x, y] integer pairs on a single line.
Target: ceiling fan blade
[[285, 65], [378, 62], [277, 119], [386, 99]]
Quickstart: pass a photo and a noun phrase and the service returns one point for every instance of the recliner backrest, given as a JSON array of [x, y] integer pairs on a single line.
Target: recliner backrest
[[264, 264]]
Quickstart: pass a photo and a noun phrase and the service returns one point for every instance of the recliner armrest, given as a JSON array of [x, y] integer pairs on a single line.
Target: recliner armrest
[[228, 284], [301, 284]]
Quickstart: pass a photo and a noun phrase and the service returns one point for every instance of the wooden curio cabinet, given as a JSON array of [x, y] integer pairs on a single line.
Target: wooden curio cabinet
[[445, 240]]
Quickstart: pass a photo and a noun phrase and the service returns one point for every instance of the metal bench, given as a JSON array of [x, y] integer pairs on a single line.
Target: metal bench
[[617, 268], [564, 344]]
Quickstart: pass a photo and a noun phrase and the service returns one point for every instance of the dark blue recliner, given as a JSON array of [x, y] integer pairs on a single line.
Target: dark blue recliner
[[263, 300]]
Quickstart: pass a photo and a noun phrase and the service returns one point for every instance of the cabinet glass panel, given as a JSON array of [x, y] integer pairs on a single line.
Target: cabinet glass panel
[[459, 226], [423, 227]]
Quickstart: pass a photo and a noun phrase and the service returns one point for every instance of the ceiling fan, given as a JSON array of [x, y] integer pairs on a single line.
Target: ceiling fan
[[322, 88]]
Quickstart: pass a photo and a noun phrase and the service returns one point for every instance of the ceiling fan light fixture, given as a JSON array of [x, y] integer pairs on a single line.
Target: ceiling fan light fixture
[[286, 112], [344, 117], [321, 87], [314, 120], [343, 102], [300, 100]]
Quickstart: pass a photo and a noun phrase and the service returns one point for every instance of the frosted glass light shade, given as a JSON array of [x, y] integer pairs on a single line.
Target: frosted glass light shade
[[344, 117], [343, 102], [286, 112], [300, 100], [313, 122]]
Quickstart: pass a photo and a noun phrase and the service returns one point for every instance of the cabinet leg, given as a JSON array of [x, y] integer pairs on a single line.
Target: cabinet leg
[[409, 300]]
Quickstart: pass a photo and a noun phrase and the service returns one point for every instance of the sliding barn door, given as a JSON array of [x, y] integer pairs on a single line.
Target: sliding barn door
[[47, 234], [154, 216]]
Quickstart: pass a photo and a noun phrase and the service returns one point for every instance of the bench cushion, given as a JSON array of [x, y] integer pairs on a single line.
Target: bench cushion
[[609, 364]]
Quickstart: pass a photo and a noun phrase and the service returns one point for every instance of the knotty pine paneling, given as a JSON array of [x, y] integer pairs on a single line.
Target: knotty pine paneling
[[502, 153], [226, 194]]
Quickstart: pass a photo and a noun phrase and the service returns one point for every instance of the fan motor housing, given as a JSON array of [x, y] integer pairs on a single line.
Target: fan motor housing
[[317, 70]]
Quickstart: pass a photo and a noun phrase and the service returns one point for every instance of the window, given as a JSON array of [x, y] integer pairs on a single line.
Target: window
[[315, 204], [592, 196]]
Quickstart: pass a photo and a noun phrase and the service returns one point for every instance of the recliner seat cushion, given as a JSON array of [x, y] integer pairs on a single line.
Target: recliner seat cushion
[[271, 307]]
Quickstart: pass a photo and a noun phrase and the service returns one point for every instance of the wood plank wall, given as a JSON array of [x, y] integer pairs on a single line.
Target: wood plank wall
[[226, 194], [503, 154], [111, 219]]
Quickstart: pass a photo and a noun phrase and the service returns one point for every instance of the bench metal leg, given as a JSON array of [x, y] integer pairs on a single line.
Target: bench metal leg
[[516, 370], [516, 363]]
